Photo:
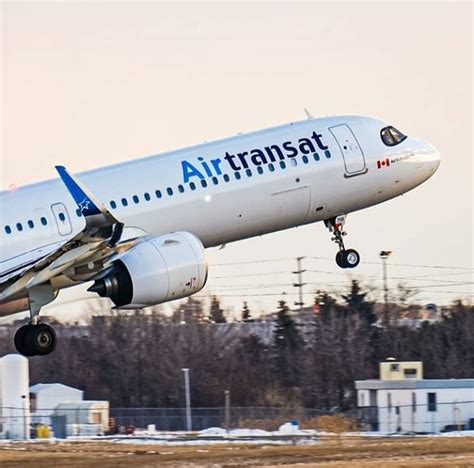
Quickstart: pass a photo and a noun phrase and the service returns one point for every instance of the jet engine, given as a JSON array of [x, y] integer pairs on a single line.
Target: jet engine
[[161, 269]]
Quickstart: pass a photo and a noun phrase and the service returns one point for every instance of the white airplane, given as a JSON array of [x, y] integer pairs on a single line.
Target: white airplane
[[138, 229]]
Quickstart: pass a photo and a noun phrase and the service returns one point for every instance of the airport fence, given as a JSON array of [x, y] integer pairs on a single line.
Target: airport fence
[[63, 421]]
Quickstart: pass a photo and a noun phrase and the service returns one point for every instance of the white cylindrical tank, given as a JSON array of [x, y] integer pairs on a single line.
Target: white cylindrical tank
[[14, 396]]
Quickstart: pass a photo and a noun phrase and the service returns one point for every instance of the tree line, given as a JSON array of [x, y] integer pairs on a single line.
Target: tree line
[[136, 360]]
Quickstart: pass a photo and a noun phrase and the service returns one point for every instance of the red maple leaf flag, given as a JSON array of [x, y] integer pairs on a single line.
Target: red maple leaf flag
[[383, 163]]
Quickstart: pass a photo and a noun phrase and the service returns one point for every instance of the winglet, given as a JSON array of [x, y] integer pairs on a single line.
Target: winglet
[[93, 211], [309, 116]]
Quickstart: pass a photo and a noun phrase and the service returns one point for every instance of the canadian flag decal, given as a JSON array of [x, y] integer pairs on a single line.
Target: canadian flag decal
[[383, 163]]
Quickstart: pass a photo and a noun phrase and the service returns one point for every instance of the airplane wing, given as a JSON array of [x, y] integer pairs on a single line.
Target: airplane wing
[[97, 242]]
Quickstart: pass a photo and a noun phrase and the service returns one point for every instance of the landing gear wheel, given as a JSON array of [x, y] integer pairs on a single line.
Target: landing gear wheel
[[21, 343], [340, 260], [35, 340], [351, 258]]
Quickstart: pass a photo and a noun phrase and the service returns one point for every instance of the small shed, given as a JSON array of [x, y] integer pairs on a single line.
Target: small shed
[[85, 417], [44, 398]]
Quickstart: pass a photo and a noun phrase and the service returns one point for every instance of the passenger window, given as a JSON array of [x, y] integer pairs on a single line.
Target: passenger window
[[113, 205], [204, 183], [169, 191], [124, 202], [226, 178], [248, 172], [158, 194], [391, 136], [19, 227], [282, 164], [215, 181], [146, 196], [78, 213], [305, 159], [8, 229], [44, 221], [293, 162], [237, 175], [135, 199], [31, 225], [260, 169], [192, 185], [328, 154], [62, 217], [316, 156], [271, 167], [180, 188]]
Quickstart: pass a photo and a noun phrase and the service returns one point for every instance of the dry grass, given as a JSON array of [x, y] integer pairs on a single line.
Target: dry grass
[[352, 452]]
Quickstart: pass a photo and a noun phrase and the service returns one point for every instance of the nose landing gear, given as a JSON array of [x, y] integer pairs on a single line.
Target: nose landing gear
[[349, 258]]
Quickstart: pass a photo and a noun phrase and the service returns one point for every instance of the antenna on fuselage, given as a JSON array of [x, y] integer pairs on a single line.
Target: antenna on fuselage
[[308, 114]]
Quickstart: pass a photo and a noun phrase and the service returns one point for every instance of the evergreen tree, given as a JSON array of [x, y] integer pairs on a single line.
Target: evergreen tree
[[246, 317], [216, 313], [287, 342], [357, 304]]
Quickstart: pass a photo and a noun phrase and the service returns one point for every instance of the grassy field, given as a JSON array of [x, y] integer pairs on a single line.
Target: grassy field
[[331, 452]]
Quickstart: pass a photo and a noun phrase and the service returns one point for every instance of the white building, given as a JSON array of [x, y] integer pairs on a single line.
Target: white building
[[44, 398], [402, 401]]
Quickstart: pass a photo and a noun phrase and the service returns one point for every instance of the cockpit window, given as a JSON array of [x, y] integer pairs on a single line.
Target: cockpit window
[[391, 136]]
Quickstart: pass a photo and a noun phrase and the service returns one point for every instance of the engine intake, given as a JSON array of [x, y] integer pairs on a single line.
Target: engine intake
[[158, 270]]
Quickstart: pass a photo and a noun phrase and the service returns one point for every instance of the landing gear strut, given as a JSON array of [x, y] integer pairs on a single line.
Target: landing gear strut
[[37, 339], [349, 258]]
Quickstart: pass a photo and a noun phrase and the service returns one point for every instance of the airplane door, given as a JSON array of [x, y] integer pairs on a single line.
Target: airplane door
[[61, 217], [290, 207], [354, 161]]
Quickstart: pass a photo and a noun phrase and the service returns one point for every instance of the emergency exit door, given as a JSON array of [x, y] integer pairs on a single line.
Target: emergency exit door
[[61, 216], [354, 161]]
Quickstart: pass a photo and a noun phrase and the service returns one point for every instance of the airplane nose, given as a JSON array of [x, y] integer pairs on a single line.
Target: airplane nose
[[433, 157]]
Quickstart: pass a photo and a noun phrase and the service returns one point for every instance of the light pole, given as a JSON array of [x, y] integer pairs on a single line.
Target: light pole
[[384, 254], [188, 399], [227, 409]]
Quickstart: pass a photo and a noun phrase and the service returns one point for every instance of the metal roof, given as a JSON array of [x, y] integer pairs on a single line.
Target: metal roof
[[377, 384], [39, 387]]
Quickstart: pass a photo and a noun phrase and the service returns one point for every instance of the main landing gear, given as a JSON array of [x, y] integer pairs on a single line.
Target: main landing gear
[[35, 338], [349, 258]]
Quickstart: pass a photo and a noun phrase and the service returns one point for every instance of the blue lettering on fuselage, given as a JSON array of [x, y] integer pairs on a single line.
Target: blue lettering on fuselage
[[255, 156]]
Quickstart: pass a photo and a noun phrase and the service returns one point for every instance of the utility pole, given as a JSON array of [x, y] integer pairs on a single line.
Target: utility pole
[[227, 409], [188, 399], [384, 254], [299, 271]]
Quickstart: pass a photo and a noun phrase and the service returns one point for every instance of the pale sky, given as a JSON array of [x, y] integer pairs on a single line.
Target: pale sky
[[91, 84]]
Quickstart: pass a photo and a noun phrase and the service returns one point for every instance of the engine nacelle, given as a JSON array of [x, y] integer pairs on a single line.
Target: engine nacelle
[[158, 270]]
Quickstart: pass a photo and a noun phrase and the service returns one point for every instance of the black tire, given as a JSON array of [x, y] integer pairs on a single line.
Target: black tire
[[41, 339], [21, 340], [340, 260], [351, 258]]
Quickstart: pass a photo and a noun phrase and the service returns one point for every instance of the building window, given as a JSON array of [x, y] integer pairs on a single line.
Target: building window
[[158, 194], [413, 402], [394, 367], [410, 373], [146, 196], [431, 401], [8, 229], [31, 225], [44, 221]]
